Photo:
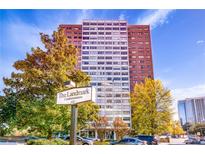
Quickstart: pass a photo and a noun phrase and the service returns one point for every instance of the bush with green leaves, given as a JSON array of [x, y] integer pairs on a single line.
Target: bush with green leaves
[[47, 142], [101, 143]]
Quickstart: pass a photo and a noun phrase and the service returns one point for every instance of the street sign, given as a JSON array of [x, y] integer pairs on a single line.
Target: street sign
[[76, 95], [69, 84]]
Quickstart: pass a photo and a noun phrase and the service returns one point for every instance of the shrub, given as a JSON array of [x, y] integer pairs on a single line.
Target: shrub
[[101, 143], [164, 140], [47, 142]]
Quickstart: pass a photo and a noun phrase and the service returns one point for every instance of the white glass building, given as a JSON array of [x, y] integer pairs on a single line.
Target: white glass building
[[104, 56], [192, 110]]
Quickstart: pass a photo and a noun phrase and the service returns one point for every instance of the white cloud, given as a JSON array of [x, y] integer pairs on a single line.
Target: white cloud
[[155, 18], [200, 42], [84, 14], [183, 93], [122, 16]]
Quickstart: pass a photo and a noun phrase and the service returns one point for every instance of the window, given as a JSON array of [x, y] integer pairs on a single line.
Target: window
[[116, 52], [116, 24], [93, 33], [109, 24], [124, 58], [85, 63], [100, 57], [108, 52], [117, 95], [124, 84], [116, 48], [115, 28], [100, 24], [100, 33], [100, 52], [123, 24], [100, 28], [122, 28], [108, 68], [126, 112], [84, 68], [124, 68], [93, 23], [123, 33], [85, 28], [92, 68], [108, 28], [116, 79], [85, 33], [85, 57], [85, 38], [108, 33], [124, 63], [85, 52], [108, 38], [108, 73], [116, 68], [86, 23], [125, 95], [108, 47], [116, 63], [123, 53], [116, 73], [108, 57], [124, 79]]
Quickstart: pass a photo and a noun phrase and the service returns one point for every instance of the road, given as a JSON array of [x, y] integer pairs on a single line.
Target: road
[[175, 141]]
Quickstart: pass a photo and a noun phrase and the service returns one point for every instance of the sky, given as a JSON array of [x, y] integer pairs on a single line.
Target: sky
[[178, 41]]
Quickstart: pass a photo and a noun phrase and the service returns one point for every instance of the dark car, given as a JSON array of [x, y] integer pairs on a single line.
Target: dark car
[[81, 141], [151, 140], [128, 141], [192, 141]]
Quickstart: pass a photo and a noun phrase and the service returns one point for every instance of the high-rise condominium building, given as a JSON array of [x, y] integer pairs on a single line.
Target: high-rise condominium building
[[116, 56], [192, 110], [140, 54]]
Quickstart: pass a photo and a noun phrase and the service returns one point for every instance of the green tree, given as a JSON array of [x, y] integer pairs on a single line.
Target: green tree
[[87, 114], [197, 128], [176, 128], [7, 112], [151, 107], [38, 79]]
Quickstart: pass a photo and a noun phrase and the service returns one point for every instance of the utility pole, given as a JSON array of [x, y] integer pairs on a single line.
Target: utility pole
[[74, 118]]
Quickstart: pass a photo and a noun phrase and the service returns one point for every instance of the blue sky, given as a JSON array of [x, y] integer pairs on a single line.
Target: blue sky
[[178, 41]]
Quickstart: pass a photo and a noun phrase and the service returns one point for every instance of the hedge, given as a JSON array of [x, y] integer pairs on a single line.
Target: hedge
[[47, 142]]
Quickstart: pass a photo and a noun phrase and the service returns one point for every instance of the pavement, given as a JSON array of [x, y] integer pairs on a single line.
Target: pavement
[[175, 141]]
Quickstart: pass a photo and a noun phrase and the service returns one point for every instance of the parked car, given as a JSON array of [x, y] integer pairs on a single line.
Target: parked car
[[129, 141], [151, 140], [60, 135], [192, 141], [90, 138], [202, 141], [81, 141]]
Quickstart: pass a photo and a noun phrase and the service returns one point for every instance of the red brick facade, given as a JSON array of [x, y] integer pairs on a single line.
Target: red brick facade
[[140, 54]]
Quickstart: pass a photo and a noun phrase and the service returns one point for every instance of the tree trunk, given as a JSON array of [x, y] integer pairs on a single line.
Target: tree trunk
[[49, 134]]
